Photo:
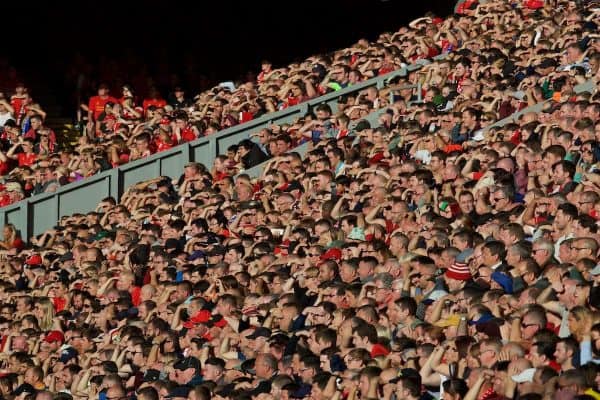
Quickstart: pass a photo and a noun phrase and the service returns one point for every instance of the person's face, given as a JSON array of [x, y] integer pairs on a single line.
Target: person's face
[[141, 144], [528, 328], [231, 256], [363, 385], [487, 355], [261, 368], [572, 54], [78, 302], [364, 269], [38, 311], [498, 199], [27, 147], [347, 273], [435, 164], [561, 220], [22, 306], [346, 228], [549, 160], [560, 354], [211, 373], [487, 257], [559, 175], [287, 316], [466, 204]]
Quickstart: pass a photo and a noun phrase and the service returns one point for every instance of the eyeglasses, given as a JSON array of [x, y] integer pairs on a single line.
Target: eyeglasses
[[579, 248], [524, 325], [536, 250]]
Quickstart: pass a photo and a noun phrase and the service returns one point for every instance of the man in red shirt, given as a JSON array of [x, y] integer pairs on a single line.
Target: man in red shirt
[[153, 99], [26, 157], [96, 104], [37, 125]]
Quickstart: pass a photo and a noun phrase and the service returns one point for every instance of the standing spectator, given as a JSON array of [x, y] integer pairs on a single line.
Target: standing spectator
[[177, 99], [153, 100], [96, 105], [6, 112]]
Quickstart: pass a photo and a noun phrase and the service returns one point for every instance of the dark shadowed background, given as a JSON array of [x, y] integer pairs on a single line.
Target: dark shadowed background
[[194, 44]]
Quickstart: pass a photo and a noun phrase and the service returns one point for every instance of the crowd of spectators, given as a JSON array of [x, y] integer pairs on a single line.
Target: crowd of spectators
[[425, 256], [125, 126]]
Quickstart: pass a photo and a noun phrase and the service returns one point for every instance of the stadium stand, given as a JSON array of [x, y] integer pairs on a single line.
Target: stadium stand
[[431, 234]]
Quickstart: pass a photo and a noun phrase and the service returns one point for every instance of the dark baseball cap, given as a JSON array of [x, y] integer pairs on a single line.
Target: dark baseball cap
[[188, 362], [260, 332]]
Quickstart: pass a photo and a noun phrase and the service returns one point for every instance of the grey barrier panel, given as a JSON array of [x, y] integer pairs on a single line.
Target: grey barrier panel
[[18, 216], [81, 200], [172, 165], [44, 212], [142, 171], [257, 170], [35, 214], [201, 152]]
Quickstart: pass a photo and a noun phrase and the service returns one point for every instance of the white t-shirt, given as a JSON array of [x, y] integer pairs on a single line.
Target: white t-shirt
[[5, 117]]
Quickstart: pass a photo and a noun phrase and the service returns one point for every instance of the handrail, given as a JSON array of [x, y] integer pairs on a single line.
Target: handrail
[[35, 214]]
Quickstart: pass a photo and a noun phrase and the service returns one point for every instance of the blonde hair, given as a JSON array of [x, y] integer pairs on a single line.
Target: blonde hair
[[48, 318]]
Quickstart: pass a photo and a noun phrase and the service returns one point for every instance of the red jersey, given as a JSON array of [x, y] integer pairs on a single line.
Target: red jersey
[[245, 116], [188, 134], [466, 5], [32, 134], [59, 304], [162, 145], [534, 4], [136, 293], [97, 103], [5, 200], [26, 160], [153, 102], [4, 167], [18, 104]]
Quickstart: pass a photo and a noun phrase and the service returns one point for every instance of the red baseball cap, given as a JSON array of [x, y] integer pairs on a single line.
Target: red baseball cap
[[54, 336], [200, 317], [34, 259], [332, 254]]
